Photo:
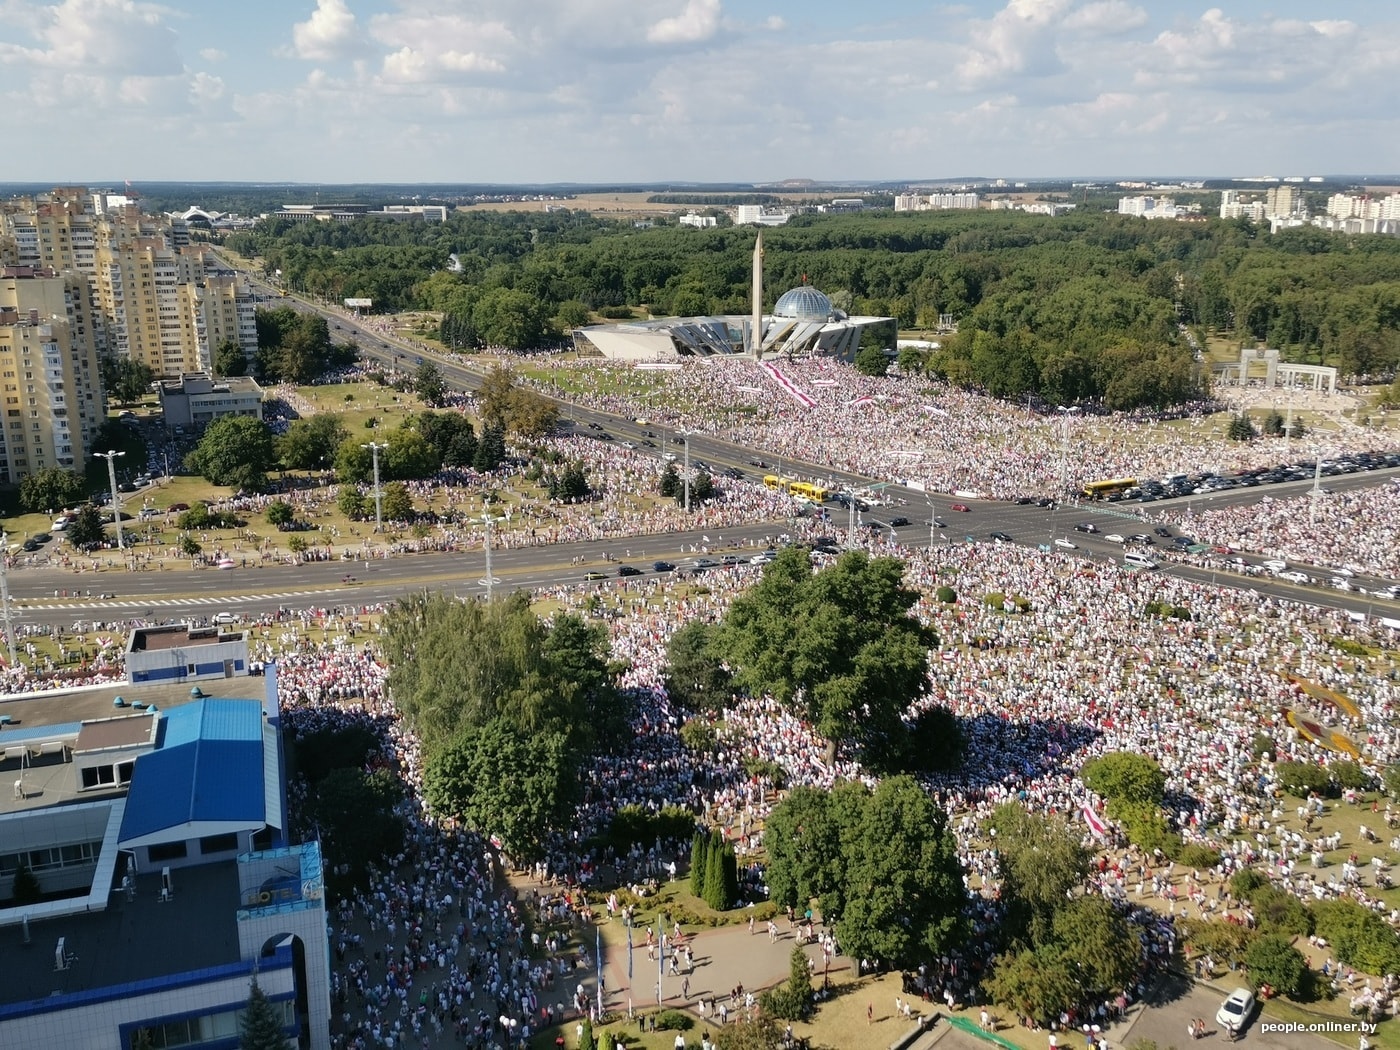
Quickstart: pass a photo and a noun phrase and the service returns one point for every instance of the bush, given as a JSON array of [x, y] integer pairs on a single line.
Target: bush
[[1358, 936], [1273, 960], [1301, 779], [1350, 775], [698, 735], [994, 600], [674, 1021], [946, 595], [1280, 913], [1194, 855], [1223, 941], [1245, 882], [1126, 777], [1392, 781], [1262, 745], [641, 826], [1145, 825]]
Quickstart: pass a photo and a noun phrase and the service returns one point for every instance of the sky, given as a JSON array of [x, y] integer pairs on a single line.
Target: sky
[[586, 91]]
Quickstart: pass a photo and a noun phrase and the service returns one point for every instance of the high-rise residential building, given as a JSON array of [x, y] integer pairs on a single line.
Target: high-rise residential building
[[1282, 201], [49, 374], [156, 302]]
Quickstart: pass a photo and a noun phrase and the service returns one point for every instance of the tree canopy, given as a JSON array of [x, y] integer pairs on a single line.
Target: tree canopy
[[883, 865], [235, 451], [838, 647], [507, 706], [51, 489]]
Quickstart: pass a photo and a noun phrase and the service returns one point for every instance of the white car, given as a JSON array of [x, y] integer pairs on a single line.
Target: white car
[[1275, 566], [1295, 577], [1066, 544], [1114, 537], [226, 617], [1235, 1011]]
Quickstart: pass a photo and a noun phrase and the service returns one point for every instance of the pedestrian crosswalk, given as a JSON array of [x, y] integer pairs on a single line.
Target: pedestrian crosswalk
[[166, 603]]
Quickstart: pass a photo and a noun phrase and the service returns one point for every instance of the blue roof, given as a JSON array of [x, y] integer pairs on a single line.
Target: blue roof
[[207, 766]]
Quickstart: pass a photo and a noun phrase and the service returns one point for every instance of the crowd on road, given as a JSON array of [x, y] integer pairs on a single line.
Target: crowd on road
[[1357, 529], [920, 430]]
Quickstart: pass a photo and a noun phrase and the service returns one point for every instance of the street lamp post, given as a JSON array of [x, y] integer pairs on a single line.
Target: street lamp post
[[111, 458], [374, 449], [5, 595], [684, 435], [490, 580], [1065, 413]]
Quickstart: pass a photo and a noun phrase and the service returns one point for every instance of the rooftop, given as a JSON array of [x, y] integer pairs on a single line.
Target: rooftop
[[150, 639], [122, 731], [132, 940]]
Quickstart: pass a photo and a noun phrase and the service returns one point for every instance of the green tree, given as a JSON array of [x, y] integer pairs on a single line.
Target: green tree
[[126, 379], [235, 451], [1241, 428], [511, 319], [86, 529], [350, 503], [490, 450], [702, 489], [696, 678], [190, 547], [355, 812], [305, 350], [504, 781], [871, 361], [51, 489], [759, 1034], [259, 1025], [280, 512], [571, 483], [1039, 983], [25, 888], [395, 502], [791, 1001], [670, 483], [451, 436], [1099, 944], [571, 314], [839, 648], [699, 853], [229, 359], [1274, 961], [721, 875], [586, 1040], [1040, 861], [311, 444], [904, 887], [1125, 776], [429, 384]]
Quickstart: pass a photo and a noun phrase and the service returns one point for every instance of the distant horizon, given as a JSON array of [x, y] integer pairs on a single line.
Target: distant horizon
[[621, 185]]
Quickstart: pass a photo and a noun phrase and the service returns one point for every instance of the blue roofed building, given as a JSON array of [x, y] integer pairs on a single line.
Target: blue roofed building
[[168, 879]]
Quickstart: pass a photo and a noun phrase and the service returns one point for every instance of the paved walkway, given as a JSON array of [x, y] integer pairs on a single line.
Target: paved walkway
[[724, 959]]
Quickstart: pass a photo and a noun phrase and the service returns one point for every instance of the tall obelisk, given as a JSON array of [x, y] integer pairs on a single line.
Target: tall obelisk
[[756, 325]]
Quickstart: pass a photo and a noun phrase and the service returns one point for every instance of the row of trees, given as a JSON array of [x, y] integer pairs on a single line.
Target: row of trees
[[240, 451], [1069, 307], [714, 871], [508, 708]]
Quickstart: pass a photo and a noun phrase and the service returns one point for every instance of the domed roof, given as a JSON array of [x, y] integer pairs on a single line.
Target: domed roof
[[804, 303]]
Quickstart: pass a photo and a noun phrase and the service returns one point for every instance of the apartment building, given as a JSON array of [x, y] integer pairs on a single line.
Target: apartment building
[[49, 376], [156, 302]]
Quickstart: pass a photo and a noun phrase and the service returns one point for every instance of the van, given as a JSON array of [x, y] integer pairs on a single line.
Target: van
[[1276, 566], [1138, 561]]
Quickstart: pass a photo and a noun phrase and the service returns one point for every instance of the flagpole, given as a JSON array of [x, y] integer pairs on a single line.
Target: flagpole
[[598, 930]]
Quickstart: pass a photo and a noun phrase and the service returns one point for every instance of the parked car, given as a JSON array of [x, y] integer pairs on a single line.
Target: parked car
[[227, 617], [898, 522], [706, 563], [1236, 1010]]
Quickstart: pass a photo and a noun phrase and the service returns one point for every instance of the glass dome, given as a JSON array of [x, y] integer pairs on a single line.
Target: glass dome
[[804, 303]]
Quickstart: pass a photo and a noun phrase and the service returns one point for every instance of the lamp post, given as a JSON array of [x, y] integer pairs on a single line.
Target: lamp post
[[490, 581], [111, 458], [5, 595], [1065, 413], [684, 435], [374, 450]]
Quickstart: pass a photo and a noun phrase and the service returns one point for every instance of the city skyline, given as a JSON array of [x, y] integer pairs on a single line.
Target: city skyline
[[412, 91]]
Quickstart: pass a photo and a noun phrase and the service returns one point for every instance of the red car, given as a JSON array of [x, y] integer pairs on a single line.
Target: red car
[[962, 507]]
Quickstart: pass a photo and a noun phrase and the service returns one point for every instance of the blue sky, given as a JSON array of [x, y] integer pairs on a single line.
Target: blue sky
[[693, 90]]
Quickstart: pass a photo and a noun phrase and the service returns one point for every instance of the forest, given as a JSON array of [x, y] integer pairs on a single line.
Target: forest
[[1079, 307]]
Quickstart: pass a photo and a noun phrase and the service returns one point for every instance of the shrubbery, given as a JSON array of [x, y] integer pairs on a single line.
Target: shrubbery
[[1302, 779]]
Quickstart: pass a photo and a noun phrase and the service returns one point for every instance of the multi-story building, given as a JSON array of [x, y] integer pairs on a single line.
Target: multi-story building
[[198, 399], [156, 303], [169, 881], [1282, 202], [49, 374], [944, 201]]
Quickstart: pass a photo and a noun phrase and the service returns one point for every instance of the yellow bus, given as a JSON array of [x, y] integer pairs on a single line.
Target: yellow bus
[[808, 491], [773, 481], [1108, 487]]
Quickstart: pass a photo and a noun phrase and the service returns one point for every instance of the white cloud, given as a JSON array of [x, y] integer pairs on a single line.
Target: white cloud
[[1107, 17], [212, 54], [1018, 39], [119, 37], [697, 23], [329, 33]]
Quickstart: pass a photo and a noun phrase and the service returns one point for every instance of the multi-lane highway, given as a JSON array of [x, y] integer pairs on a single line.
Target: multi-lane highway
[[46, 595]]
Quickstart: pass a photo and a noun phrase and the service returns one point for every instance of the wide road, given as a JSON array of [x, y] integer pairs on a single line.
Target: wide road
[[931, 519]]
